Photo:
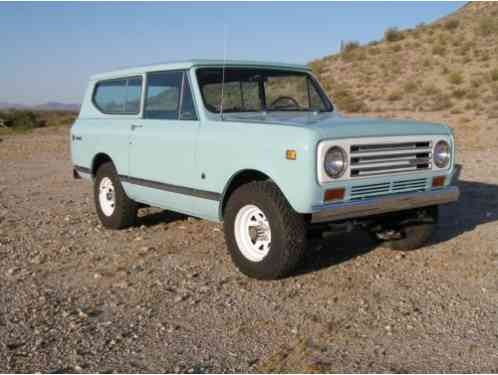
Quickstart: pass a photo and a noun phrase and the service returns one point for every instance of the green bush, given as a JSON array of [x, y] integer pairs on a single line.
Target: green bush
[[23, 120], [455, 78], [393, 35], [20, 119], [494, 75]]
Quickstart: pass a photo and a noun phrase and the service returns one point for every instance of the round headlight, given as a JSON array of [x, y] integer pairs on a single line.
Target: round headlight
[[335, 162], [442, 154]]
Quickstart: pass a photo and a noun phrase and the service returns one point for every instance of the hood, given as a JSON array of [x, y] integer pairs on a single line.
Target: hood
[[334, 125]]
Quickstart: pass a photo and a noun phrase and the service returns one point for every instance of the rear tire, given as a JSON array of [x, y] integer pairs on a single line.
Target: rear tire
[[414, 231], [265, 237], [114, 208], [415, 236]]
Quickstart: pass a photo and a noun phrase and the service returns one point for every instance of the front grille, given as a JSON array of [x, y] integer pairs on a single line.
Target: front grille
[[388, 158], [393, 187], [364, 191]]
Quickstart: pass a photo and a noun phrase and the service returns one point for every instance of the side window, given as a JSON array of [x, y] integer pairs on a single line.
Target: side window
[[119, 96], [163, 95], [188, 107], [110, 96], [133, 95]]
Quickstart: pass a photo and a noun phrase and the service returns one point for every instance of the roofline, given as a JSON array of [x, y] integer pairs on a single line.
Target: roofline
[[182, 65]]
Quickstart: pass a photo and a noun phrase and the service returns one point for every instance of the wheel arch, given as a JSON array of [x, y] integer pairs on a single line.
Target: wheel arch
[[98, 160], [238, 179]]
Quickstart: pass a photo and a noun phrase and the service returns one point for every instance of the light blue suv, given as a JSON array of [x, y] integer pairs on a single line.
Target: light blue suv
[[259, 147]]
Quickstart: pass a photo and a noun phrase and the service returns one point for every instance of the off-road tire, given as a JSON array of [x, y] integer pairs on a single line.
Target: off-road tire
[[125, 211], [288, 231], [414, 234]]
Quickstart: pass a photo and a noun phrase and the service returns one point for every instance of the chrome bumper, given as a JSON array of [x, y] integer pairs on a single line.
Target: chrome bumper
[[384, 204]]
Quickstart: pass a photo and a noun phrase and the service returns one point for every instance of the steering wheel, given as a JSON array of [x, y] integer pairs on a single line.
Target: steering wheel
[[288, 98]]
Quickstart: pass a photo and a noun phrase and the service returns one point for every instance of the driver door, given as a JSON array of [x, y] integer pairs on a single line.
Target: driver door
[[163, 143]]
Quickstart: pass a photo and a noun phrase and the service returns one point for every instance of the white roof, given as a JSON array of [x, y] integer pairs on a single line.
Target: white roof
[[181, 65]]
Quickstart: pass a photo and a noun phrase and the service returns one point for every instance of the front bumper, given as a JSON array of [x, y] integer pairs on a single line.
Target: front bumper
[[384, 204]]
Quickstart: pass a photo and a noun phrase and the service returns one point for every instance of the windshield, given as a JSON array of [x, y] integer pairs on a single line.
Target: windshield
[[255, 90]]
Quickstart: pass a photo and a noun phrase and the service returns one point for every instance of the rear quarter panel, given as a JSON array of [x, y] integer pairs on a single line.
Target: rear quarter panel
[[94, 133]]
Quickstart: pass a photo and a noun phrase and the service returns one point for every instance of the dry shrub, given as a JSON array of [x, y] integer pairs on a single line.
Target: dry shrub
[[459, 93], [393, 35], [410, 86], [441, 102], [452, 24], [431, 89], [439, 49], [395, 96], [318, 66], [346, 101], [350, 45], [488, 26]]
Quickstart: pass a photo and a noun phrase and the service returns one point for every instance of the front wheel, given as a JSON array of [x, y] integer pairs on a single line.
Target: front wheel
[[265, 237]]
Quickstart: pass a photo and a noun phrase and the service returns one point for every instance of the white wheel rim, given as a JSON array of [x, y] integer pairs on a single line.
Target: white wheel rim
[[252, 233], [107, 196]]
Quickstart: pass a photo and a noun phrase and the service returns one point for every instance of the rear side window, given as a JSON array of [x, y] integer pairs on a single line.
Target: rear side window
[[119, 96], [163, 95]]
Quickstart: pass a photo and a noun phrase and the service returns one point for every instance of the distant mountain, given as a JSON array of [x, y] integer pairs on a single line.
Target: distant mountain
[[4, 105], [57, 106], [49, 106]]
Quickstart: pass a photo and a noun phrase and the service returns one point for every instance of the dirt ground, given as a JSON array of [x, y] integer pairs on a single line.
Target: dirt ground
[[164, 296]]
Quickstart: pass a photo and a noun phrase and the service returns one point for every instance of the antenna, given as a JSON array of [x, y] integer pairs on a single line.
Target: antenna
[[223, 71]]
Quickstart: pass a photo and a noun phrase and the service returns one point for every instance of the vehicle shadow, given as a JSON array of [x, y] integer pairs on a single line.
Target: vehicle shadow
[[334, 250], [478, 205], [160, 217]]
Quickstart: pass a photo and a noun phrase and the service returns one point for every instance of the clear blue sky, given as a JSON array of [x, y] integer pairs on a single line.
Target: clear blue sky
[[48, 50]]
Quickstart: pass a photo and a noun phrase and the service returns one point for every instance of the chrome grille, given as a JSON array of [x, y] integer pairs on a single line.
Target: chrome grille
[[388, 158], [409, 185], [400, 186], [363, 191]]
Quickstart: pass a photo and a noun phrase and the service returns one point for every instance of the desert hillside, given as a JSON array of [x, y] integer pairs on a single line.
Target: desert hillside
[[444, 71]]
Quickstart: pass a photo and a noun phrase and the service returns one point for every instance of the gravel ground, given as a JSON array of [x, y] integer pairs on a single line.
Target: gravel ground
[[164, 297]]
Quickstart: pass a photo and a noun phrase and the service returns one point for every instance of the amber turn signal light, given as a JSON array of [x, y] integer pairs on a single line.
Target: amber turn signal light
[[291, 155], [333, 195], [438, 181]]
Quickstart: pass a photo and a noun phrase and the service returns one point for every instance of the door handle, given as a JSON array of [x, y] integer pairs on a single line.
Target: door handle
[[133, 127]]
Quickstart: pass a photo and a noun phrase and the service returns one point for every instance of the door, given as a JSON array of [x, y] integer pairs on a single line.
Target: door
[[162, 154]]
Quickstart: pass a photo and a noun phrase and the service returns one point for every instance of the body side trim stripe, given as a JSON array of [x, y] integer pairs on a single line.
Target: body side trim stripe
[[82, 169], [172, 188]]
